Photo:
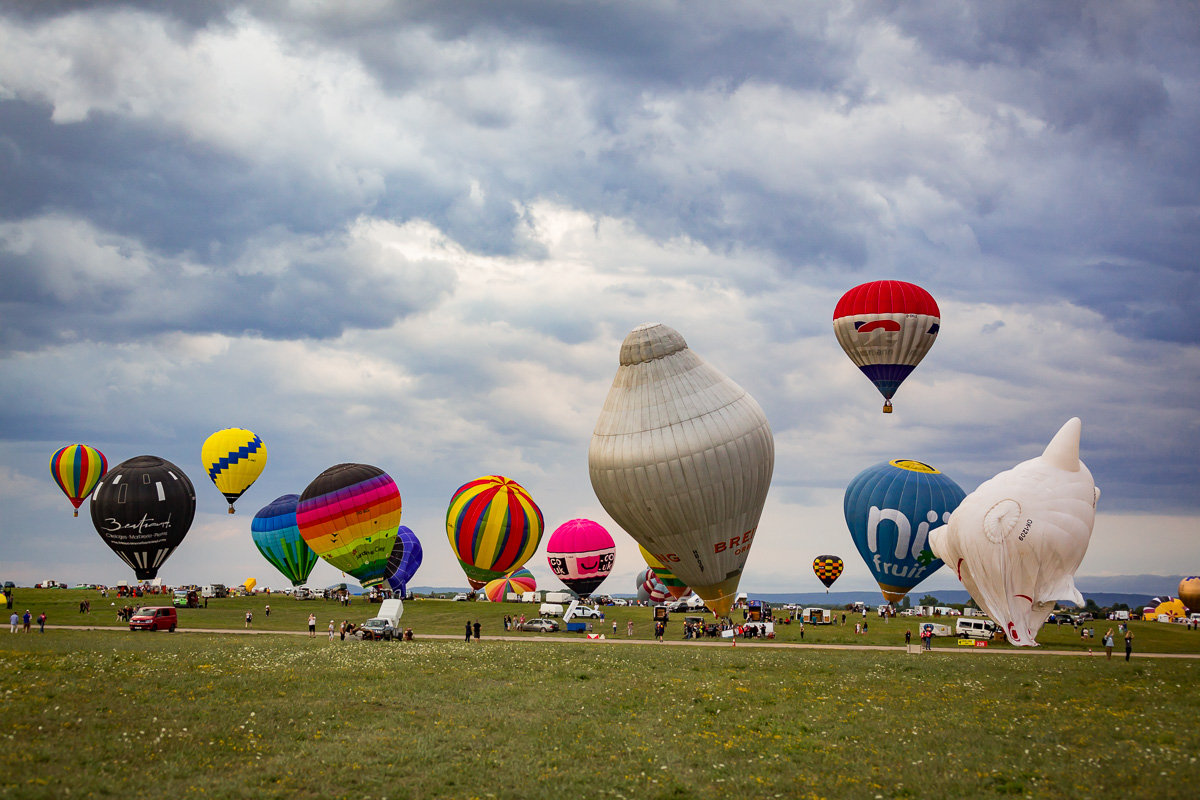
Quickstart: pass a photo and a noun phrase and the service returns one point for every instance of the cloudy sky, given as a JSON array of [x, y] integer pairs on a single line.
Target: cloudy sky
[[415, 234]]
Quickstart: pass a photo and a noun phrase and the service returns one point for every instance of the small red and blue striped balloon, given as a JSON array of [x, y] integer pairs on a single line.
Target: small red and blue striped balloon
[[77, 468], [886, 328]]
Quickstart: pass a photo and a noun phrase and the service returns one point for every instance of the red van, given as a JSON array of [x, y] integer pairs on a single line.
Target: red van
[[154, 618]]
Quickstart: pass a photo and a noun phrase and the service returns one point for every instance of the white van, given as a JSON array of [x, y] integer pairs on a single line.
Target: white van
[[302, 593], [974, 628], [559, 597], [550, 610], [214, 590], [936, 628]]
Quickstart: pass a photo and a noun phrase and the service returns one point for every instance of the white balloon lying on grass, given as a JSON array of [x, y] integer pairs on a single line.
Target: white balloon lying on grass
[[1016, 541], [681, 458]]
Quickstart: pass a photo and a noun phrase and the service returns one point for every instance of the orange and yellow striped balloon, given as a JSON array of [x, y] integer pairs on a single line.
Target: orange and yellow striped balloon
[[494, 527], [77, 469]]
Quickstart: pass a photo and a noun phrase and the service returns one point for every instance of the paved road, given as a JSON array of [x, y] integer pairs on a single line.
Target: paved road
[[1017, 651]]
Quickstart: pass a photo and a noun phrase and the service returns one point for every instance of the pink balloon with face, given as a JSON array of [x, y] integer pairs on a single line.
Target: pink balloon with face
[[581, 553]]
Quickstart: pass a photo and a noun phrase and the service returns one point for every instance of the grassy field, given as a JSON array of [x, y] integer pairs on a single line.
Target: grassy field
[[102, 714], [448, 617]]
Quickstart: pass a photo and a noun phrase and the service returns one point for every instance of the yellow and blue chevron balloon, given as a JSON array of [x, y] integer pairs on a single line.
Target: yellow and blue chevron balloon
[[233, 459]]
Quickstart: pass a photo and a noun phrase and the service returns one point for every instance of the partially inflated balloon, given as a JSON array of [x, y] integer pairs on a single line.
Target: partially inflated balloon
[[676, 587], [1189, 593], [349, 516], [494, 527], [681, 458], [581, 553], [517, 582], [77, 469], [142, 508], [233, 459], [278, 538], [404, 561], [890, 509], [827, 569], [650, 588], [1016, 541], [886, 328]]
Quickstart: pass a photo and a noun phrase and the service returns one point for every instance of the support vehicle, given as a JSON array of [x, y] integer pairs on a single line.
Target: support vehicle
[[154, 618], [385, 624], [974, 628]]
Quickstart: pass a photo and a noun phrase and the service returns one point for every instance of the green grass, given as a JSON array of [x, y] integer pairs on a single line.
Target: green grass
[[107, 714], [448, 617]]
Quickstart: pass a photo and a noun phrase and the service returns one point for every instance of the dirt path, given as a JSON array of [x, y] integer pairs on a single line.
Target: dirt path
[[1023, 651]]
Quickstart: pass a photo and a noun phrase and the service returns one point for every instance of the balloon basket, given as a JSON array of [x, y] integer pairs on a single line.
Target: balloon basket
[[231, 509], [76, 512], [887, 407]]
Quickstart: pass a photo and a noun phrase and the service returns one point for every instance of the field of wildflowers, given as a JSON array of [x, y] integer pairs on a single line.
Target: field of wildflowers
[[108, 714]]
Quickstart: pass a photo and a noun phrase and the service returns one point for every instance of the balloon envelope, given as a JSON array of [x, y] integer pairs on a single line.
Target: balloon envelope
[[233, 459], [1016, 541], [650, 588], [676, 587], [828, 568], [77, 468], [277, 537], [681, 458], [1189, 592], [349, 516], [890, 509], [581, 553], [494, 527], [886, 328], [404, 561], [142, 508], [518, 582]]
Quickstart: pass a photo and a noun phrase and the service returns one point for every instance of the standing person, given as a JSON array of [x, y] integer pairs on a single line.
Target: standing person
[[468, 631], [268, 609], [312, 625], [42, 622], [477, 626], [1128, 642], [249, 617], [629, 629], [331, 630], [342, 630], [857, 628], [614, 627], [28, 619], [908, 636], [1108, 643], [843, 619], [802, 631], [13, 622], [864, 627]]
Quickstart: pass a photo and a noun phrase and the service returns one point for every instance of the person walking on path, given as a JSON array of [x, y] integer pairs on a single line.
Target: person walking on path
[[42, 622], [477, 626], [28, 619], [312, 626], [468, 631], [331, 629], [1108, 643], [1128, 643], [13, 622]]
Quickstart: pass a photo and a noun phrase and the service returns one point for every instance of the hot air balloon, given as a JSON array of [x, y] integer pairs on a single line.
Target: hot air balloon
[[1189, 593], [1173, 607], [518, 582], [1016, 541], [581, 553], [827, 569], [650, 589], [233, 458], [349, 515], [77, 469], [890, 509], [278, 538], [676, 587], [404, 561], [681, 458], [494, 527], [142, 508], [886, 328]]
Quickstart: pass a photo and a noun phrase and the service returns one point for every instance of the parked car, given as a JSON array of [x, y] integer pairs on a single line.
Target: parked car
[[586, 612], [185, 598], [620, 601], [460, 596], [154, 618], [539, 625]]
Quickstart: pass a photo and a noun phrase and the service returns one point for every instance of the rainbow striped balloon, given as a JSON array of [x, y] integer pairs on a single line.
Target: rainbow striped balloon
[[278, 538], [494, 527], [349, 515], [516, 582], [77, 469]]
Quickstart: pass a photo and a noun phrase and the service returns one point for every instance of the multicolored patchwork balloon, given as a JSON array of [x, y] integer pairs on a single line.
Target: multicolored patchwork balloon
[[827, 569], [233, 459], [77, 468], [581, 553], [404, 561], [676, 587], [494, 527], [349, 515], [650, 588], [886, 328], [517, 582], [278, 538]]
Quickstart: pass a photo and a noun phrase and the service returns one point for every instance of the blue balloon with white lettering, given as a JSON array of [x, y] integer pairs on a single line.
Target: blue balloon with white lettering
[[890, 509]]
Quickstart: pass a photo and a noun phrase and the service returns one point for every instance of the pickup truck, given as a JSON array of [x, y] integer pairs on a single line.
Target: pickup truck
[[386, 624]]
